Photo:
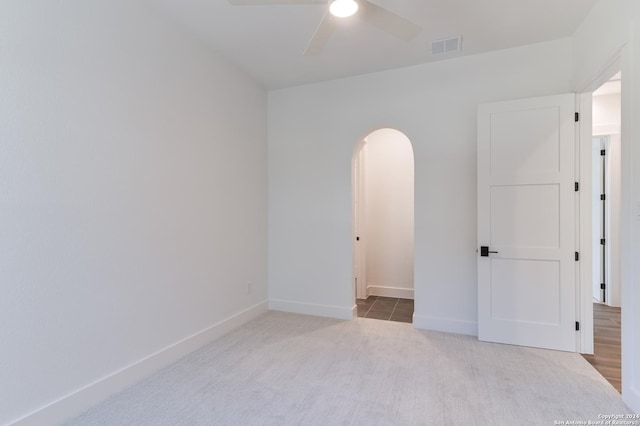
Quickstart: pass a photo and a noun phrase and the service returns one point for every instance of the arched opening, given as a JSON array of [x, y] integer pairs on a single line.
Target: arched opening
[[383, 225]]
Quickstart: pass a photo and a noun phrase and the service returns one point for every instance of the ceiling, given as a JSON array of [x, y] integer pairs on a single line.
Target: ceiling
[[268, 42]]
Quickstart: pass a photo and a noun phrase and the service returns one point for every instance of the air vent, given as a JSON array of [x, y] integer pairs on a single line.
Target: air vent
[[446, 45]]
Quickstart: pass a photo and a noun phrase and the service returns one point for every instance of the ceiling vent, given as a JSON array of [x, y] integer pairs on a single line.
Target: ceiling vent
[[446, 45]]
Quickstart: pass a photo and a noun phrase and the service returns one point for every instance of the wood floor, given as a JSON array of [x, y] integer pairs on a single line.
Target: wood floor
[[607, 348]]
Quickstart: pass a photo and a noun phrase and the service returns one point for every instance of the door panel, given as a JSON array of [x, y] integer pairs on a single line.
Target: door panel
[[525, 141], [533, 298], [526, 215]]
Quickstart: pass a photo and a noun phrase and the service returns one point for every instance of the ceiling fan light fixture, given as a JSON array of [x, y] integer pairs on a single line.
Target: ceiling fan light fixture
[[343, 8]]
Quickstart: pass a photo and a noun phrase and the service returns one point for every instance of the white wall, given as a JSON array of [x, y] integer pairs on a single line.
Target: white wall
[[312, 131], [132, 197], [607, 114], [389, 214], [614, 191], [613, 27]]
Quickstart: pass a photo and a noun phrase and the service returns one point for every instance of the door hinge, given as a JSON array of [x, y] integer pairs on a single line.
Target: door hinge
[[603, 197], [577, 187], [603, 152], [603, 286], [577, 325], [577, 256], [577, 117], [603, 242]]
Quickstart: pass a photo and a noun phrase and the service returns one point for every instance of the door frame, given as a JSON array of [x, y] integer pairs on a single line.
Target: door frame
[[584, 223], [597, 222]]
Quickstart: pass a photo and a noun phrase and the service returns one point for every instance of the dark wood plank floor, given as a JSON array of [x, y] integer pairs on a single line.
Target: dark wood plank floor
[[607, 345], [386, 308]]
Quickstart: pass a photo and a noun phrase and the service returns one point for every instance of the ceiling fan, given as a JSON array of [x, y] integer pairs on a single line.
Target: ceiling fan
[[338, 9]]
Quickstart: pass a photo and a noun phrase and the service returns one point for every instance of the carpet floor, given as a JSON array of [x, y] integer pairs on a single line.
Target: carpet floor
[[287, 369]]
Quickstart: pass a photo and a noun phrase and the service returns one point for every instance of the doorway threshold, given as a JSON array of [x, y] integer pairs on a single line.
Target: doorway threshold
[[386, 308]]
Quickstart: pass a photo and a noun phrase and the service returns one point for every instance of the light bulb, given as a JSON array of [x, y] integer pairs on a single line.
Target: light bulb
[[343, 8]]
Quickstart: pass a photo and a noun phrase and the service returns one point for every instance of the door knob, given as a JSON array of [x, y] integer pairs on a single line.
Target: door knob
[[484, 251]]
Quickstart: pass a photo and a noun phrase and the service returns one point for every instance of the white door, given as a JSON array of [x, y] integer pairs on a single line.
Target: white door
[[359, 252], [597, 229], [526, 219]]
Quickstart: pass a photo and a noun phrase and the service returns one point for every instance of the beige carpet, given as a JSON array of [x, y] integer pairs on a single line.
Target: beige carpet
[[285, 369]]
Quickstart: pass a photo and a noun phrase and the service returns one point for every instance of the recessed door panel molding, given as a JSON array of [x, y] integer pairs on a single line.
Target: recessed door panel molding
[[526, 218], [526, 140], [525, 291]]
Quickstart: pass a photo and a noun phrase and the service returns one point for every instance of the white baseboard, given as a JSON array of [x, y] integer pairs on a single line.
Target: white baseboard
[[402, 293], [82, 399], [338, 312], [446, 325]]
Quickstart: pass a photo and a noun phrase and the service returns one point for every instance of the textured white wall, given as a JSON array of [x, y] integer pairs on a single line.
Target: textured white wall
[[312, 131], [389, 213], [631, 195], [631, 215], [132, 193], [613, 27], [600, 36], [614, 191]]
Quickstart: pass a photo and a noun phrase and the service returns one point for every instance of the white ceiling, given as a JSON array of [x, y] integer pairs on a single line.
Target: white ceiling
[[268, 41]]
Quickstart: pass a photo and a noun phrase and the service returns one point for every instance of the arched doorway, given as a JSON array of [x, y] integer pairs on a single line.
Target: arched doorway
[[383, 225]]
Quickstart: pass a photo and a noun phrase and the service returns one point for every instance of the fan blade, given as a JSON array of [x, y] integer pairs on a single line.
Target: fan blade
[[388, 21], [321, 36], [268, 2]]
